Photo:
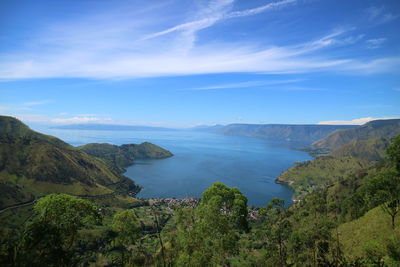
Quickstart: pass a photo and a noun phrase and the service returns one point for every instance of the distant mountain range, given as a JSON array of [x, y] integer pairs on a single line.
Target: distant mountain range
[[110, 127], [285, 132]]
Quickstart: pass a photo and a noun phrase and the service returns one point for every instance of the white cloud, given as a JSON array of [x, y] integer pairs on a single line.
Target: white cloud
[[375, 43], [218, 11], [379, 15], [35, 103], [80, 119], [359, 121], [119, 45], [246, 84], [37, 118]]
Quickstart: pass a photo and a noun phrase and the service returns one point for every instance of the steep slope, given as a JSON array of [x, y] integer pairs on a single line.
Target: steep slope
[[370, 130], [33, 164], [287, 132], [373, 230], [122, 156], [371, 150]]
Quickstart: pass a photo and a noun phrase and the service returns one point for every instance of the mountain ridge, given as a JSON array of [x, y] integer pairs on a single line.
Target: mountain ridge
[[373, 129], [33, 164], [288, 132]]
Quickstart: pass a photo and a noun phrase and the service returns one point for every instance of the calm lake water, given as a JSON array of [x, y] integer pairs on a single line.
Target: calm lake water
[[200, 159]]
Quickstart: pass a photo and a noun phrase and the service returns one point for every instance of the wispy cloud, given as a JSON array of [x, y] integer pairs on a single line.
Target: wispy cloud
[[121, 44], [247, 84], [80, 119], [379, 15], [359, 121], [374, 106], [35, 103], [375, 43], [218, 11]]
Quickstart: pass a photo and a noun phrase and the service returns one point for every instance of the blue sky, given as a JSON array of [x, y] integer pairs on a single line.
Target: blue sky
[[186, 63]]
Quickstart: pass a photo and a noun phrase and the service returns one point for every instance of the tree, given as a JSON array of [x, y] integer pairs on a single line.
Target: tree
[[277, 227], [127, 230], [383, 189], [50, 238], [393, 152], [127, 226], [208, 235]]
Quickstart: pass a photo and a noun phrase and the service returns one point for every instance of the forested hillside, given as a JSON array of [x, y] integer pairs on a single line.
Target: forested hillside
[[346, 217]]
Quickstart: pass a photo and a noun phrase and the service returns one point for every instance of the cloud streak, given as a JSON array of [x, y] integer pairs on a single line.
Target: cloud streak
[[359, 121], [247, 84], [119, 46]]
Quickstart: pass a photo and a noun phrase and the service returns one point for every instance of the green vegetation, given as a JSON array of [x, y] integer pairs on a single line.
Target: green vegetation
[[305, 177], [325, 170], [371, 130], [122, 156], [370, 150], [33, 165], [349, 217]]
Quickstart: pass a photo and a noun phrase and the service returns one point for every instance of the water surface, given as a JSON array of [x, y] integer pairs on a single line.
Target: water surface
[[200, 159]]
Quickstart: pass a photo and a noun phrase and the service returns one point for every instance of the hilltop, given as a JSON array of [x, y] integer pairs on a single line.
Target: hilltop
[[119, 157], [347, 152], [33, 164], [370, 130]]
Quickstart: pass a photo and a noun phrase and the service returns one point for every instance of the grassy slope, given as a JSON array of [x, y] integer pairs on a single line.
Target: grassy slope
[[33, 164], [323, 171], [371, 150], [122, 156], [370, 130], [374, 226], [340, 163]]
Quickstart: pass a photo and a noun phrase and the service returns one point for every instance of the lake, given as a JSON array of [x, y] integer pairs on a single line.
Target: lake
[[200, 158]]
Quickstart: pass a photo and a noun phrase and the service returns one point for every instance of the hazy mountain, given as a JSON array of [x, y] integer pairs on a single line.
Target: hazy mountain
[[109, 127], [287, 132], [370, 130]]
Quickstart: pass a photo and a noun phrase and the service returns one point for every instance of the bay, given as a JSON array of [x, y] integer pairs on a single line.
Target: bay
[[201, 158]]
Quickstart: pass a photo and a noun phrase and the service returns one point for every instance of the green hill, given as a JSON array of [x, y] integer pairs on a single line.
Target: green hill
[[33, 164], [122, 156], [373, 230], [370, 130], [305, 177], [371, 150]]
